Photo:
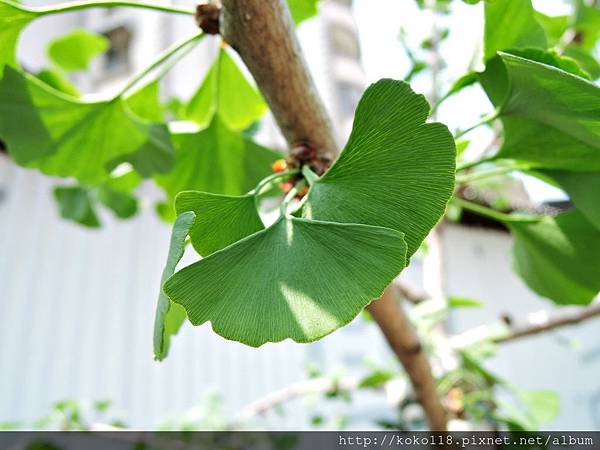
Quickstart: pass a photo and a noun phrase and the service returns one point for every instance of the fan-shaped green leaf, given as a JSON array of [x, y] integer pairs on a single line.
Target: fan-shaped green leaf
[[227, 92], [63, 136], [297, 279], [396, 171], [55, 79], [221, 220], [559, 258], [169, 315], [13, 19], [77, 49], [551, 117], [76, 204], [302, 10], [583, 189], [216, 160], [511, 24]]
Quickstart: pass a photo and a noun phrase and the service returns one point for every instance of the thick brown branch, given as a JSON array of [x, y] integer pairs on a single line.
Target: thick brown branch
[[262, 32], [401, 336]]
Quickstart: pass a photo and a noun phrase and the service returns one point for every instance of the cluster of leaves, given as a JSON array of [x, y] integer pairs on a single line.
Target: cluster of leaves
[[538, 77]]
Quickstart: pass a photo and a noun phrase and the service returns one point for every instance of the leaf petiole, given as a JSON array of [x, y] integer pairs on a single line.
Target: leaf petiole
[[79, 5], [495, 171], [269, 181], [493, 214], [181, 47], [484, 121], [290, 196]]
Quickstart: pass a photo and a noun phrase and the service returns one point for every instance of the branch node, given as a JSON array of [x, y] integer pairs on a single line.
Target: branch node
[[208, 16]]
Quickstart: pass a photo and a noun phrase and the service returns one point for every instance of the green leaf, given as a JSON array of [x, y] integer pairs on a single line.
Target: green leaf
[[76, 205], [122, 204], [550, 116], [77, 49], [559, 258], [302, 10], [227, 92], [221, 220], [376, 379], [540, 406], [583, 189], [554, 26], [459, 302], [62, 136], [511, 24], [298, 279], [145, 103], [396, 171], [170, 316], [13, 19], [216, 160], [55, 79]]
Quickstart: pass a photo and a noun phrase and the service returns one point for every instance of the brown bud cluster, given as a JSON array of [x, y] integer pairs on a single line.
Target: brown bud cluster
[[208, 17], [305, 153]]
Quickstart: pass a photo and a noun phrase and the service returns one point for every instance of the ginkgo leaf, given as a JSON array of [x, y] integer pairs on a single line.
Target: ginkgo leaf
[[227, 92], [13, 19], [302, 10], [583, 189], [62, 136], [550, 116], [396, 171], [298, 279], [218, 160], [76, 204], [559, 257], [221, 220], [511, 24], [77, 49], [169, 315], [55, 79]]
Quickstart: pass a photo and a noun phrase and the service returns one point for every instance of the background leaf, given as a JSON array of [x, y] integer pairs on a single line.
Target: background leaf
[[550, 116], [302, 10], [76, 205], [559, 258], [217, 160], [170, 316], [62, 136], [396, 171], [227, 92], [583, 189], [13, 19], [77, 49], [511, 24]]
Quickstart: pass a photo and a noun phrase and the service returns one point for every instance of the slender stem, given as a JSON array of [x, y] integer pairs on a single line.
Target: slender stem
[[168, 53], [484, 120], [495, 171], [493, 214], [309, 175], [79, 5], [268, 181], [290, 196], [472, 164]]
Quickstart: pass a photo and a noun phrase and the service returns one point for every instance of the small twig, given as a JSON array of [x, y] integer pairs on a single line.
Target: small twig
[[539, 322], [274, 399], [549, 322]]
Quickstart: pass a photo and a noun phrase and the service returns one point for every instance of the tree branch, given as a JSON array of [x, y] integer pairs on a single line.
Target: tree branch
[[262, 32], [401, 336], [539, 322], [549, 323]]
